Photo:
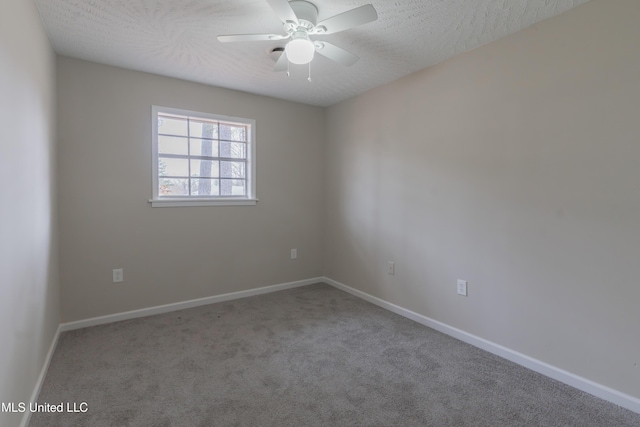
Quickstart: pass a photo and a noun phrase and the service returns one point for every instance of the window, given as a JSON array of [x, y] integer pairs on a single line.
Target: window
[[202, 159]]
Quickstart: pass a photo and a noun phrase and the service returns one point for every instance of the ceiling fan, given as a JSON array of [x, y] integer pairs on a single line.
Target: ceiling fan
[[300, 23]]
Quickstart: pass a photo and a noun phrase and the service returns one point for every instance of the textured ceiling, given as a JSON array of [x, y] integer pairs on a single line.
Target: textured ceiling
[[177, 38]]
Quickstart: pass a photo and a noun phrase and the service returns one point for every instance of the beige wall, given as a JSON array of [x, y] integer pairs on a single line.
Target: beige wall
[[516, 167], [176, 254], [29, 295]]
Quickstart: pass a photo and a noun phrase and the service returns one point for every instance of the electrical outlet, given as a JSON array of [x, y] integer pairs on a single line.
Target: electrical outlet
[[294, 253], [391, 268], [118, 275], [462, 287]]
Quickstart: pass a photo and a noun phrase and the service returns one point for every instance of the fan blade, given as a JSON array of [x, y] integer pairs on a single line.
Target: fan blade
[[349, 19], [283, 10], [281, 63], [251, 37], [336, 53]]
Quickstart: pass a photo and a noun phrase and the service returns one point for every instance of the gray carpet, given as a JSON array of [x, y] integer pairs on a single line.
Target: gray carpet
[[311, 356]]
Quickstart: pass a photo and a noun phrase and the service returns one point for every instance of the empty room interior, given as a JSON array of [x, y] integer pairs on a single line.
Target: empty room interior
[[432, 219]]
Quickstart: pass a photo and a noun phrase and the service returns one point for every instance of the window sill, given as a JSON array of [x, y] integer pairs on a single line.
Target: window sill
[[177, 202]]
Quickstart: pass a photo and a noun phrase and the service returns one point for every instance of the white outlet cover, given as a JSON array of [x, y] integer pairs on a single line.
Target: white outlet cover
[[391, 268], [462, 287], [118, 275]]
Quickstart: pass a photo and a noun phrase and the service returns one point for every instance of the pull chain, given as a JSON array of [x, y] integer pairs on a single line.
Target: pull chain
[[289, 73]]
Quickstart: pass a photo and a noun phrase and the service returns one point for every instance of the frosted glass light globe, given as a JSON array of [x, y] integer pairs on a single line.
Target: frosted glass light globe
[[300, 51]]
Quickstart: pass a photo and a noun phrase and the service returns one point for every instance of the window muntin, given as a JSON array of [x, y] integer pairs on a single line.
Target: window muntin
[[202, 157]]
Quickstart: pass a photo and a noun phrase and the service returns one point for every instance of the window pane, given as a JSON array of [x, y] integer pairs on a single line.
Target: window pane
[[205, 168], [172, 145], [173, 167], [205, 187], [172, 125], [233, 132], [202, 156], [232, 169], [233, 187], [204, 147], [173, 187], [203, 129], [234, 150]]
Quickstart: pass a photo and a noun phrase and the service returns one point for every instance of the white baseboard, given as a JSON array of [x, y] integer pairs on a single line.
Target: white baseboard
[[588, 386], [110, 318], [43, 373]]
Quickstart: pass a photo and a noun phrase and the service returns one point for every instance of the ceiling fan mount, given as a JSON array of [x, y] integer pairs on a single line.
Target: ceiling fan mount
[[300, 23], [307, 14]]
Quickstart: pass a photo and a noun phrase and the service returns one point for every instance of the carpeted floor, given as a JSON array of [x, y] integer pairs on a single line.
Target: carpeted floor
[[311, 356]]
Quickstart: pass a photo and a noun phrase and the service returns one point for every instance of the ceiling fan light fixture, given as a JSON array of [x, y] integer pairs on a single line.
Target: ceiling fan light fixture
[[300, 49]]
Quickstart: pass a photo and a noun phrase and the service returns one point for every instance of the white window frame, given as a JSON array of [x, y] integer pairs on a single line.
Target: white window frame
[[175, 201]]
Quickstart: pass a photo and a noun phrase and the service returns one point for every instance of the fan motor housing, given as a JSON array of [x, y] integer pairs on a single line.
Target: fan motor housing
[[305, 11]]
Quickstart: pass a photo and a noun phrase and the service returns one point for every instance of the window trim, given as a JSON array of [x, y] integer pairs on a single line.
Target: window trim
[[249, 199]]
